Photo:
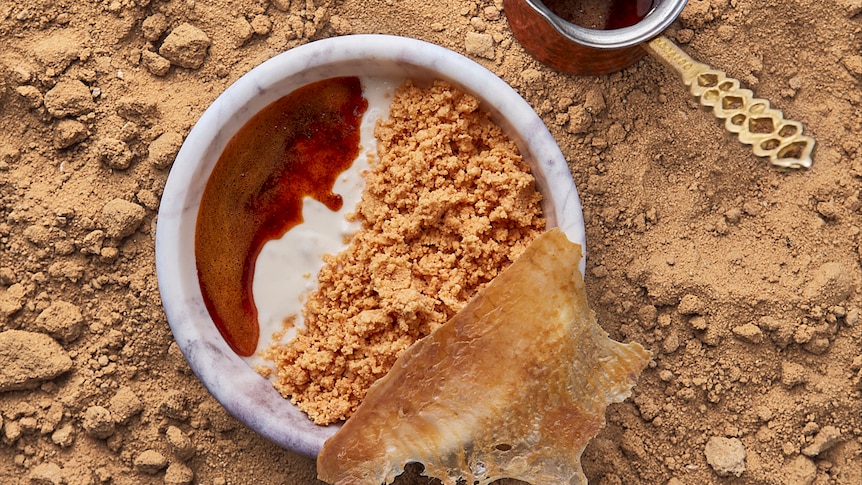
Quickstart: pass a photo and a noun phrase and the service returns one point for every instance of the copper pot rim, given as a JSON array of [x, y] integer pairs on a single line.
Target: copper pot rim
[[656, 21]]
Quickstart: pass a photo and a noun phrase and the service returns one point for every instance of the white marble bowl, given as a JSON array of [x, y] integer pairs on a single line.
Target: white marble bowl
[[228, 377]]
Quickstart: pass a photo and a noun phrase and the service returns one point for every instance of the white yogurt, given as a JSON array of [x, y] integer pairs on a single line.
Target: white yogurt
[[286, 268]]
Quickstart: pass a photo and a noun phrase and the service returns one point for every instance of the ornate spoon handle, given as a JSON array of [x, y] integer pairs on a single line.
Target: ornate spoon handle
[[752, 119]]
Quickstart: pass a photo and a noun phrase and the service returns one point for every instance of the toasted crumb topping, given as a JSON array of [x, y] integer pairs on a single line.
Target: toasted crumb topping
[[448, 205]]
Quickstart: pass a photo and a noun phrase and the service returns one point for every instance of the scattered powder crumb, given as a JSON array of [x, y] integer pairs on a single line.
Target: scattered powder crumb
[[448, 205]]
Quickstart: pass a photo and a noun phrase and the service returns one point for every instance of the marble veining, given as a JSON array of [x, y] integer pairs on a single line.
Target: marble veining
[[244, 393]]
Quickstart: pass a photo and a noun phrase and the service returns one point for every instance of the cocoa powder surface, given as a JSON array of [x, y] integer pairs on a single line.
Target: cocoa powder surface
[[743, 281]]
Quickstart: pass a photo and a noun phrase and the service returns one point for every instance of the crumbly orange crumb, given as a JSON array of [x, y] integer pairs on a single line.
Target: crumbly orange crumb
[[448, 204]]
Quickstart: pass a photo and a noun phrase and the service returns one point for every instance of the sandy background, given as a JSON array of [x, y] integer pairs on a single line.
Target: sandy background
[[743, 281]]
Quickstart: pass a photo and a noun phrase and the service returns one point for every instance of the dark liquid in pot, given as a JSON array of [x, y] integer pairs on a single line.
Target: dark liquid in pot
[[601, 14]]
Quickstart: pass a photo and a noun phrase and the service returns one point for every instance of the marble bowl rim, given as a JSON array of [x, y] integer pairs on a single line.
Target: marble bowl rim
[[221, 371]]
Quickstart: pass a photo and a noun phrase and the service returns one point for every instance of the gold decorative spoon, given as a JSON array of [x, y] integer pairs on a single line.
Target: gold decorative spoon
[[752, 119]]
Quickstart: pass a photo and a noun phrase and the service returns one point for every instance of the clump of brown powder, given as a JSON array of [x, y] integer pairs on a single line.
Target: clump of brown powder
[[447, 206]]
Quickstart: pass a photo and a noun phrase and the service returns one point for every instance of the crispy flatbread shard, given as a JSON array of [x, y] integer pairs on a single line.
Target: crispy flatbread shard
[[515, 385]]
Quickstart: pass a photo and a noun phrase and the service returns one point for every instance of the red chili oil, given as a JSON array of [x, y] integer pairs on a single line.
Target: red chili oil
[[294, 148], [601, 14]]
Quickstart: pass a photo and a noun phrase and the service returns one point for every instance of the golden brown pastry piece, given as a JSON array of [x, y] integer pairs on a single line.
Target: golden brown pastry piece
[[514, 385]]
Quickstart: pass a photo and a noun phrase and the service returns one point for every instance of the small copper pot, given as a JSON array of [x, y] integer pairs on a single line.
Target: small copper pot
[[573, 49]]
